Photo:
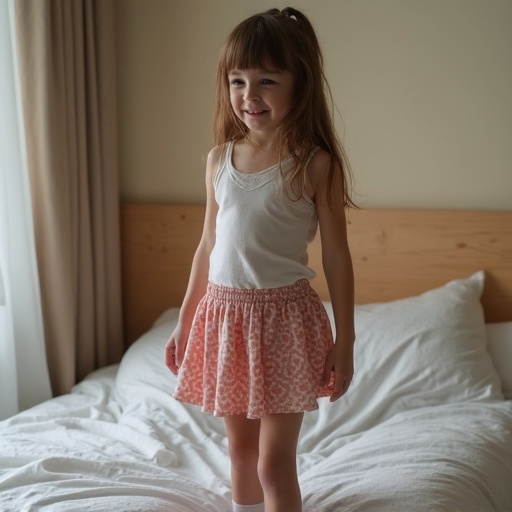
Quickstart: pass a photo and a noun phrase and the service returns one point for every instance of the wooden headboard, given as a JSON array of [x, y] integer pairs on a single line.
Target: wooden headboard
[[396, 253]]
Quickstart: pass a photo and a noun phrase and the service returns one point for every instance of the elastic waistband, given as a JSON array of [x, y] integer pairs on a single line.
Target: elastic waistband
[[301, 288]]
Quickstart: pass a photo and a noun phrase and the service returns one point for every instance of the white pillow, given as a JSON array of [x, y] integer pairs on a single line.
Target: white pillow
[[142, 374], [415, 352], [499, 344]]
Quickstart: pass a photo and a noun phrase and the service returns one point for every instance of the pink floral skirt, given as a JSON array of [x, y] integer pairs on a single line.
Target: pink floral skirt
[[256, 351]]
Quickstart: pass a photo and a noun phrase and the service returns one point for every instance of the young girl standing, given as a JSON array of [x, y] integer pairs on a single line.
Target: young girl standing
[[253, 343]]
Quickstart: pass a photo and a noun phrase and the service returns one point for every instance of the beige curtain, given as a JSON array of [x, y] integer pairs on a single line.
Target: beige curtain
[[67, 69]]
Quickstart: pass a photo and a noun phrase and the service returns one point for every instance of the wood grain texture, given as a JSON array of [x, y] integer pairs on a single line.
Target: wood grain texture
[[158, 243], [396, 254]]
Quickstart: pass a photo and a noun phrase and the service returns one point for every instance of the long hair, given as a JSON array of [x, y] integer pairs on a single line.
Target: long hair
[[286, 40]]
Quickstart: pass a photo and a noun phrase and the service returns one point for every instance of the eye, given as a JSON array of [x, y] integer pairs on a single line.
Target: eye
[[267, 81], [236, 81]]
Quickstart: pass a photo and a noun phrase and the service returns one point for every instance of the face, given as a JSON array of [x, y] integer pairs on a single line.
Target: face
[[261, 98]]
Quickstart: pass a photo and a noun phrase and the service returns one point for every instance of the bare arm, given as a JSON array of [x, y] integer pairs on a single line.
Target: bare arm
[[337, 265], [198, 281]]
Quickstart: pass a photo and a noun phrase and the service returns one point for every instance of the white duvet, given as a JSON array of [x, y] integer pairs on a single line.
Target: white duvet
[[434, 435]]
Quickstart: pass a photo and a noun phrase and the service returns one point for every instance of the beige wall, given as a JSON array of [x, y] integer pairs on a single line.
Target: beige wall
[[424, 89]]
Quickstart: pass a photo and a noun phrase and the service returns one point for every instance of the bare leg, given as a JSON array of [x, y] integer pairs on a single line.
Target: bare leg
[[277, 466], [243, 438]]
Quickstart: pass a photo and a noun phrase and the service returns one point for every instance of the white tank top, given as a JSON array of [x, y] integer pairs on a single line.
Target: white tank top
[[261, 234]]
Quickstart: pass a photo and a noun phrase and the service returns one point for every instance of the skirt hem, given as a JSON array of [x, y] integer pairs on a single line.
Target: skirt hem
[[252, 416]]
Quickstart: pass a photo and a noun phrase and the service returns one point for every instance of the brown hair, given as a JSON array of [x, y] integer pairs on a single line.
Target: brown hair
[[288, 41]]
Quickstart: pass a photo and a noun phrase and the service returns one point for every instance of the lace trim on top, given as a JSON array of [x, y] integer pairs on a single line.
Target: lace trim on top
[[251, 181]]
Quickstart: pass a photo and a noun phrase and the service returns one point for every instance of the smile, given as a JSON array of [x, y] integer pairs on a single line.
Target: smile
[[255, 112]]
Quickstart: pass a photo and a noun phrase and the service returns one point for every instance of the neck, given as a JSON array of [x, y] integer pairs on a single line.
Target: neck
[[263, 141]]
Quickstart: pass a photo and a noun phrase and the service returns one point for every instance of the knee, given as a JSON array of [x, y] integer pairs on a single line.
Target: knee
[[243, 455], [276, 471]]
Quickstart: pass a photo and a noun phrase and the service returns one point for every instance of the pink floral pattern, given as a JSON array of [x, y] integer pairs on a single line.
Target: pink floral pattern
[[256, 352]]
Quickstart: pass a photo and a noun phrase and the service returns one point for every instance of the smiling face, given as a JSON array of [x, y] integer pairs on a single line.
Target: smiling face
[[261, 98]]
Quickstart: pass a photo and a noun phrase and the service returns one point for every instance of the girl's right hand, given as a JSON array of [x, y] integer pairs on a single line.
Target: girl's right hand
[[198, 280], [175, 349]]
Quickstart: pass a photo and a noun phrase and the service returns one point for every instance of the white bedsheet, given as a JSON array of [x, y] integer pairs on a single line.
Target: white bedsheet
[[82, 452], [424, 428]]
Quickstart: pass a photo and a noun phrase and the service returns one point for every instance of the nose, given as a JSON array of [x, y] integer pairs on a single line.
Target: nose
[[250, 93]]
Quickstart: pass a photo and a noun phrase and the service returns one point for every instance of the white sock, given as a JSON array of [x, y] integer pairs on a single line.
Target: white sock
[[260, 507]]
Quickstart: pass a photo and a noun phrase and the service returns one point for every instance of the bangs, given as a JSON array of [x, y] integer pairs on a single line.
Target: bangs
[[257, 43]]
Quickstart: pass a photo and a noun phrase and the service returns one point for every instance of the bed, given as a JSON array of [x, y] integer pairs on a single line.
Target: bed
[[426, 425]]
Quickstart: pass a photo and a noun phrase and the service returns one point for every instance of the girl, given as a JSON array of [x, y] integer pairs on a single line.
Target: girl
[[253, 343]]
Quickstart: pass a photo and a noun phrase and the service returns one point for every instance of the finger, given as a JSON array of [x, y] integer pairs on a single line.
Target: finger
[[168, 356], [338, 387], [344, 388], [326, 375], [336, 395], [172, 366], [169, 353], [179, 356], [346, 385], [170, 359]]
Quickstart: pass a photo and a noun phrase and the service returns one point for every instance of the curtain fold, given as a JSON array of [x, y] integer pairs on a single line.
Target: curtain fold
[[24, 379], [67, 73]]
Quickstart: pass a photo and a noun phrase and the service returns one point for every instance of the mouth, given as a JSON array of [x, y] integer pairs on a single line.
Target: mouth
[[255, 112]]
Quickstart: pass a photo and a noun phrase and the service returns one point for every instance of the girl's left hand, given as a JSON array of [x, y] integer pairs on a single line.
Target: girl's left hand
[[340, 360]]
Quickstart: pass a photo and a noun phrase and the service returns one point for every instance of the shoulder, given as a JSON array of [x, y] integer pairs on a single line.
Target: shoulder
[[214, 159], [215, 154], [218, 153], [320, 161], [318, 169]]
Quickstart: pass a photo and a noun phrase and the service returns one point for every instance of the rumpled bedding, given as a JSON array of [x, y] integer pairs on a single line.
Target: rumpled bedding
[[83, 452], [426, 426]]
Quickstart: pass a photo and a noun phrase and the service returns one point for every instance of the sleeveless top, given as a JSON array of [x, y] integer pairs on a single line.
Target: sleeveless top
[[262, 234]]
